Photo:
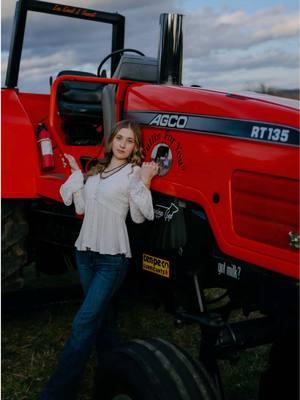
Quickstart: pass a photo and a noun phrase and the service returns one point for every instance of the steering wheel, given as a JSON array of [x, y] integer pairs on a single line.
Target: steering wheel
[[117, 52]]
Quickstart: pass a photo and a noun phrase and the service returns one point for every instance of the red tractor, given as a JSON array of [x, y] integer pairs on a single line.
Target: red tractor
[[226, 205]]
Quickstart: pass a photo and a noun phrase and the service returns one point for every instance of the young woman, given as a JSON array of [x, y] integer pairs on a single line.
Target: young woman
[[117, 184]]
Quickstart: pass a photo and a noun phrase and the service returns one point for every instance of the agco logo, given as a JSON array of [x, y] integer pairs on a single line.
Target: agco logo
[[170, 120]]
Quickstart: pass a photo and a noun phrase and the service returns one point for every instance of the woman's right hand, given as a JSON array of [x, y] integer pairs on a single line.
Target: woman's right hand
[[72, 162]]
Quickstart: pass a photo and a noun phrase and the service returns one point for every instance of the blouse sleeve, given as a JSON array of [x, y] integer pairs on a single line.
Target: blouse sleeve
[[140, 199], [73, 191]]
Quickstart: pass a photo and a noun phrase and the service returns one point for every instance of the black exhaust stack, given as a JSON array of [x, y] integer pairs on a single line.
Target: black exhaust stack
[[170, 49]]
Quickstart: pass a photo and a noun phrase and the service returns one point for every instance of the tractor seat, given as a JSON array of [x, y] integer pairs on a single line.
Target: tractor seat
[[133, 68], [80, 99]]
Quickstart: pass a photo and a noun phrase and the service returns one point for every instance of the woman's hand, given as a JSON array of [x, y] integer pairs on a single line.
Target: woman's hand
[[148, 171], [72, 162]]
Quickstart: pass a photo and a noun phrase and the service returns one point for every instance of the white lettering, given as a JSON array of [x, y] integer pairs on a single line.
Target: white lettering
[[156, 120], [255, 131], [173, 118], [170, 121], [284, 135], [182, 121], [262, 131], [158, 213], [164, 120], [276, 134], [272, 134], [221, 268], [231, 270]]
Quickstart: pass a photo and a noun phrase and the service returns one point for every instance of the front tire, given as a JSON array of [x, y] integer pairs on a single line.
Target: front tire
[[152, 369]]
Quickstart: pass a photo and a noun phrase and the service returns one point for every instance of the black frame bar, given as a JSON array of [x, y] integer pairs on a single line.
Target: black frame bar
[[23, 6]]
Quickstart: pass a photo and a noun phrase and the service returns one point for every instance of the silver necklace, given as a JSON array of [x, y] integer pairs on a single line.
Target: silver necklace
[[112, 171]]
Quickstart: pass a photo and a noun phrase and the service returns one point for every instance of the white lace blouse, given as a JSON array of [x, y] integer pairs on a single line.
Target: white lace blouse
[[105, 204]]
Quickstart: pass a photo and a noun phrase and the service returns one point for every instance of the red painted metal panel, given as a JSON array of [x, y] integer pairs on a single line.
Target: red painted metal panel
[[202, 164], [265, 208], [20, 162], [200, 101], [36, 106], [205, 164], [49, 185]]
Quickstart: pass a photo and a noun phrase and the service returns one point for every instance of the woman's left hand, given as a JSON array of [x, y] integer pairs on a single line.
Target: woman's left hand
[[148, 171]]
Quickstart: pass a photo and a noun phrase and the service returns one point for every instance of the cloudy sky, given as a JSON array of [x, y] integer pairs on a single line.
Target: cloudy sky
[[228, 44]]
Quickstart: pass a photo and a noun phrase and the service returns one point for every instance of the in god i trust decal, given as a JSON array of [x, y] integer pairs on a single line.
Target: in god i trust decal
[[166, 150], [162, 154]]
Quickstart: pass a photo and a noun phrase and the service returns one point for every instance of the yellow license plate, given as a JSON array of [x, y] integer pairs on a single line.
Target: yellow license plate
[[156, 265]]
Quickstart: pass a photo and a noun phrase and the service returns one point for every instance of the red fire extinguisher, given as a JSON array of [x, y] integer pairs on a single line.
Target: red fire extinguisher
[[45, 145]]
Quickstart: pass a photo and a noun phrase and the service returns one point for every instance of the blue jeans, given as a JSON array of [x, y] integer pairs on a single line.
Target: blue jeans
[[100, 275]]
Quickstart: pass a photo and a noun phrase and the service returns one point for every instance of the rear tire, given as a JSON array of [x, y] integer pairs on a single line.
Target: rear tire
[[152, 369], [14, 232]]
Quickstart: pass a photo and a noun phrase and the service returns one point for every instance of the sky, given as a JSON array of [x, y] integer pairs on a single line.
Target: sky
[[228, 44]]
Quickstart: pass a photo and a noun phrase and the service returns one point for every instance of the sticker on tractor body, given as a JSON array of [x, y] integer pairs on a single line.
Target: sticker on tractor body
[[229, 269], [255, 131], [156, 265], [162, 155]]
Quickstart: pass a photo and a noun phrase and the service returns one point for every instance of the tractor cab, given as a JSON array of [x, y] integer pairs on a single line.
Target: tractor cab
[[87, 108]]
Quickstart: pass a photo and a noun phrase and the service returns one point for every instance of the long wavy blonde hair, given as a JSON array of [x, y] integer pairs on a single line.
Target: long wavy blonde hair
[[135, 158]]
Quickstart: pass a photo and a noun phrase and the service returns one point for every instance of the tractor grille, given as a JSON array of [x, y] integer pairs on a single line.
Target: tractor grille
[[265, 208]]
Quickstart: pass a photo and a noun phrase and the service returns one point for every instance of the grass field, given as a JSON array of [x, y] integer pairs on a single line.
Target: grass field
[[32, 340]]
